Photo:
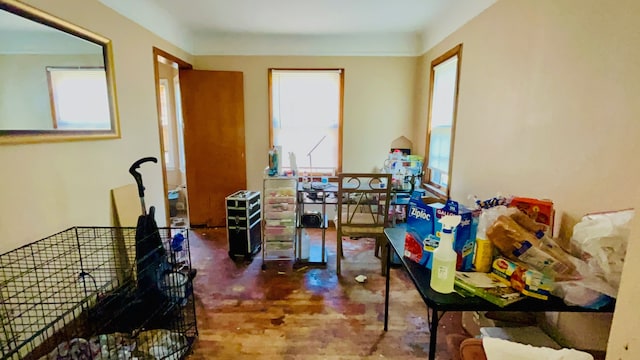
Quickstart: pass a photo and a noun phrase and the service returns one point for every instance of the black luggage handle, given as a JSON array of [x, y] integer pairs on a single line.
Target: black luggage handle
[[136, 175]]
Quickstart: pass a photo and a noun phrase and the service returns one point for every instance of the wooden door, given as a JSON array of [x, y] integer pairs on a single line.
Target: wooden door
[[213, 113]]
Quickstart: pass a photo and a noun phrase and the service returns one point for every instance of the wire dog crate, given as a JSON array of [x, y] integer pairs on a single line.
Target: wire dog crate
[[78, 295]]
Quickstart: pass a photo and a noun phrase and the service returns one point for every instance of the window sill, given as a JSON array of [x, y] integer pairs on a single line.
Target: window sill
[[435, 191]]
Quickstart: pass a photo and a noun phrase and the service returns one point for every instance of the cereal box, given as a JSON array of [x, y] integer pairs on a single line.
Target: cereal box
[[540, 211]]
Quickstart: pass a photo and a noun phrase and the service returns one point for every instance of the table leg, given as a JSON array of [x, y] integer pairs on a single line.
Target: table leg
[[434, 335], [386, 292], [324, 226], [395, 201]]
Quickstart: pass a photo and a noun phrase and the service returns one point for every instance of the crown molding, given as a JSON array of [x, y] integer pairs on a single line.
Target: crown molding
[[159, 21], [402, 44]]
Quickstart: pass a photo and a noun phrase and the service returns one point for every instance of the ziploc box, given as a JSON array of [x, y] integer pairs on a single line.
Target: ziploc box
[[418, 245], [424, 227]]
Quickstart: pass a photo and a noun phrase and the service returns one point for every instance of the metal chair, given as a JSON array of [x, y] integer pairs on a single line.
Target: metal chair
[[363, 210]]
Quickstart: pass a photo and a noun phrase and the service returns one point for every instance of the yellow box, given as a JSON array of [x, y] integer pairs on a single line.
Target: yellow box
[[529, 282]]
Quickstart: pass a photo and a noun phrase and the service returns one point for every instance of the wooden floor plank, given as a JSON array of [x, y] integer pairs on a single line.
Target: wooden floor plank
[[245, 312]]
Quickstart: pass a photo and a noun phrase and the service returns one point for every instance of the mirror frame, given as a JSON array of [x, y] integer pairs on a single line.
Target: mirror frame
[[39, 136]]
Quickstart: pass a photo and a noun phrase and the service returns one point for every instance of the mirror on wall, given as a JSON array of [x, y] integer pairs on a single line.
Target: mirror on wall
[[57, 79]]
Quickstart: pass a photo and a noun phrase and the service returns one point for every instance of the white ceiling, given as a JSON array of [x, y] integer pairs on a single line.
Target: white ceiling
[[302, 27]]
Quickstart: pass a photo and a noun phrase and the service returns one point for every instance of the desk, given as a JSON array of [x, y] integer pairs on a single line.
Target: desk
[[421, 277], [324, 195]]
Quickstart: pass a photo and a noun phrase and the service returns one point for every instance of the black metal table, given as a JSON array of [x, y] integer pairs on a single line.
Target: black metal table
[[421, 278], [314, 194], [323, 194]]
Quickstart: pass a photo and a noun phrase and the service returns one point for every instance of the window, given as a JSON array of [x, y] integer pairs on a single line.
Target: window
[[79, 98], [306, 118], [167, 138], [443, 104]]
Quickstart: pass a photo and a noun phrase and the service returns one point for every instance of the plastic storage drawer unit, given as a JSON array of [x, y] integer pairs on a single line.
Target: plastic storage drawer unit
[[279, 212], [243, 224]]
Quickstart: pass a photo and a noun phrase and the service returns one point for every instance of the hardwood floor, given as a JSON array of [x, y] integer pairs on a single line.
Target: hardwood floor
[[245, 312]]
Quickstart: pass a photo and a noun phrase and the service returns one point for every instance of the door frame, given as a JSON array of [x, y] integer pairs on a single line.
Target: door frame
[[156, 76]]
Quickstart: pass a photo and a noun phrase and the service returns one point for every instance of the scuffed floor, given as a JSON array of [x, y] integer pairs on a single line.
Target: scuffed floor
[[245, 312]]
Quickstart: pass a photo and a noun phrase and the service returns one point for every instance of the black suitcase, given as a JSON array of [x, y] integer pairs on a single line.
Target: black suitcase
[[243, 224]]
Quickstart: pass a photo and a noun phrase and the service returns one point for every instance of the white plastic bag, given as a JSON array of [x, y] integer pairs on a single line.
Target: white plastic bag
[[601, 241], [489, 216], [591, 291]]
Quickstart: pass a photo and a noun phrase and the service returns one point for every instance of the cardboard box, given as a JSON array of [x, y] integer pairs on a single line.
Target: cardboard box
[[528, 282], [540, 211], [472, 321], [423, 232]]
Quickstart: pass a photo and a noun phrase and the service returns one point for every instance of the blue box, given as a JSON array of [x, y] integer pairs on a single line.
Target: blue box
[[423, 232]]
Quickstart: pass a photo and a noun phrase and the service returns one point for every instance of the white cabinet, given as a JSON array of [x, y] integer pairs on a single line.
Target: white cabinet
[[279, 218]]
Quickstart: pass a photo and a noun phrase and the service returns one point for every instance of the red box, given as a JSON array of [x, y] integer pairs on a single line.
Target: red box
[[540, 211]]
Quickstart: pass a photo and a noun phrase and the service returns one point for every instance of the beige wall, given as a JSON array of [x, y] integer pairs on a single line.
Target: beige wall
[[547, 108], [378, 105], [56, 184], [24, 91], [51, 186]]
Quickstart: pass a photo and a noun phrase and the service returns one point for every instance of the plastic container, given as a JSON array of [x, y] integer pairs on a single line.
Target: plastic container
[[174, 286], [443, 270], [483, 255], [484, 249], [305, 244], [274, 161], [173, 197]]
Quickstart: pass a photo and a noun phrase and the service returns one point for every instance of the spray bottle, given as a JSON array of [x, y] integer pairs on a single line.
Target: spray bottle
[[443, 270]]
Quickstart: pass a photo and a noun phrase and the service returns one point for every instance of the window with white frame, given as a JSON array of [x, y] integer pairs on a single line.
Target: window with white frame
[[306, 118], [79, 98], [443, 102]]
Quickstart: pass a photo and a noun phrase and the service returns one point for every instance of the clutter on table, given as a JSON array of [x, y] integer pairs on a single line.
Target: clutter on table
[[505, 250], [404, 168]]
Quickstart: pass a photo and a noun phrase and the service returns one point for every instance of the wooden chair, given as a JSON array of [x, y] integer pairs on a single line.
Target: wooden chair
[[363, 210]]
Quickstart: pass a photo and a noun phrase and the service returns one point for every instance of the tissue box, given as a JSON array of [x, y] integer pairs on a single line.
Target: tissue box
[[423, 232]]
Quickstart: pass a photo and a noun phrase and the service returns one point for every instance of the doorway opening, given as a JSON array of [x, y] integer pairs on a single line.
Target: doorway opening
[[170, 124]]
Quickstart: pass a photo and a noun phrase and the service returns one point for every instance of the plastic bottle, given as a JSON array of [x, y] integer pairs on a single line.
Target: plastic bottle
[[276, 161], [271, 163], [484, 249], [443, 270], [483, 258]]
